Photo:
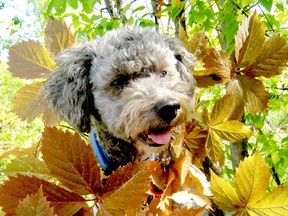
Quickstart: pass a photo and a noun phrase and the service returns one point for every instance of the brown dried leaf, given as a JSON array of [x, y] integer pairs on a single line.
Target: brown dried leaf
[[126, 189], [58, 36], [205, 78], [30, 104], [29, 60], [249, 41], [17, 188], [218, 62], [272, 60], [35, 205], [254, 94], [71, 160], [197, 44]]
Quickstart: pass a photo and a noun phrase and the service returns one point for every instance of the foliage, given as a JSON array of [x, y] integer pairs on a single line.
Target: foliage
[[239, 97]]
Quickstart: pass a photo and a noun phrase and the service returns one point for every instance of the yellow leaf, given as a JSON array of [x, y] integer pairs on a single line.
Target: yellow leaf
[[182, 166], [29, 60], [214, 147], [27, 166], [205, 116], [222, 109], [249, 41], [29, 104], [274, 203], [232, 131], [254, 94], [224, 195], [272, 60], [218, 62], [252, 179], [35, 204], [206, 77]]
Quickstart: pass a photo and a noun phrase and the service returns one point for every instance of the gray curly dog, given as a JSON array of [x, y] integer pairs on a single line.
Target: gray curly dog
[[130, 87]]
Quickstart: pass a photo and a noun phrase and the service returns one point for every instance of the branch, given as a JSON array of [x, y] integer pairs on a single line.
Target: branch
[[109, 8]]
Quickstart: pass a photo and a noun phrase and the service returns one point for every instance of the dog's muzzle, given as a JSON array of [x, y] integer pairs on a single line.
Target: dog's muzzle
[[167, 110]]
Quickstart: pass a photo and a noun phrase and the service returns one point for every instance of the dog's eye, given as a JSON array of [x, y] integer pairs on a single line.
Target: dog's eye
[[121, 82], [163, 74]]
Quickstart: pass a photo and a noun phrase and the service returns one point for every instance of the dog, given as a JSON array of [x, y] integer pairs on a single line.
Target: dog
[[131, 87]]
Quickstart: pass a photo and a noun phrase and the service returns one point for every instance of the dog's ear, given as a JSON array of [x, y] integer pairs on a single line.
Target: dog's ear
[[185, 61], [68, 90]]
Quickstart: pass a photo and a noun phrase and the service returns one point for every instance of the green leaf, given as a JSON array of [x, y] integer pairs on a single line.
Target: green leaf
[[73, 3], [267, 4]]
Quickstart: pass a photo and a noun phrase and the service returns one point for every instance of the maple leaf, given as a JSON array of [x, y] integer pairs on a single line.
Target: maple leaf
[[35, 205], [273, 203], [250, 92], [219, 128], [273, 58], [249, 41], [252, 179], [17, 188], [29, 104], [71, 161], [196, 44], [58, 36], [27, 166], [126, 189], [29, 60], [249, 196]]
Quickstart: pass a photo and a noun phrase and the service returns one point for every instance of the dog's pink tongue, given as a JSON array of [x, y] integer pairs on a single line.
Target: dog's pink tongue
[[162, 137]]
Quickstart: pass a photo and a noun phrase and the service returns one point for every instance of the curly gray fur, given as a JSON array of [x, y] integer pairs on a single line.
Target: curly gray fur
[[112, 84]]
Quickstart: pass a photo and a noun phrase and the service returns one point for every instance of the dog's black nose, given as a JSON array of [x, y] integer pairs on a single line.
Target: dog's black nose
[[167, 110]]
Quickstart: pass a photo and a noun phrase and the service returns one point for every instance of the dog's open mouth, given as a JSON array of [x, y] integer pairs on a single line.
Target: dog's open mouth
[[156, 138]]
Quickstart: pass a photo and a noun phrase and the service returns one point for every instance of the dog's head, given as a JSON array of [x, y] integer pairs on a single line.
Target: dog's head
[[135, 81]]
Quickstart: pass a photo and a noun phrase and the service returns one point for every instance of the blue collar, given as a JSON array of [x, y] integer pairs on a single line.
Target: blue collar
[[101, 155]]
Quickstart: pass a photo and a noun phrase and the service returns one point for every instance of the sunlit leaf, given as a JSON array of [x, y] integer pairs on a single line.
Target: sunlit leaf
[[232, 131], [214, 147], [273, 60], [27, 166], [218, 62], [186, 211], [126, 188], [224, 195], [197, 44], [222, 109], [29, 60], [205, 78], [273, 203], [58, 36], [249, 41], [71, 160], [254, 94], [17, 188], [252, 179], [29, 104], [35, 205]]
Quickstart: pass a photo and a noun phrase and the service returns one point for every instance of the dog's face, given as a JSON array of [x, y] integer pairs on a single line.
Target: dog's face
[[137, 81]]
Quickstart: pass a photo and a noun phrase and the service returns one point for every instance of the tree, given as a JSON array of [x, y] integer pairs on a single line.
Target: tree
[[237, 67]]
